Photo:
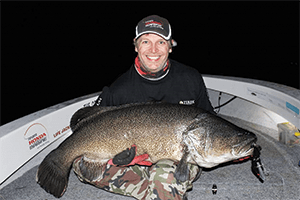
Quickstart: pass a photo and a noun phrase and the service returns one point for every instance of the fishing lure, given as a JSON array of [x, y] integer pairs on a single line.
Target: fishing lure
[[257, 167]]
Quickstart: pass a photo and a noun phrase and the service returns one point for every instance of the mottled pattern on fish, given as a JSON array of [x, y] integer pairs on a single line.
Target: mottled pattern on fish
[[161, 130], [156, 130]]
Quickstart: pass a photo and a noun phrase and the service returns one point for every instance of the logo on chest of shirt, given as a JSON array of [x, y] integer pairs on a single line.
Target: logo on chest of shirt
[[187, 102]]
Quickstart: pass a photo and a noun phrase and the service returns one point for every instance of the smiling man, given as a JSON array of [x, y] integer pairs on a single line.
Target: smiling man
[[153, 43], [152, 78], [153, 52]]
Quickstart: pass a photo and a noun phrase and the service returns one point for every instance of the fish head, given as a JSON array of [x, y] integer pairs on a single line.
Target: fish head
[[213, 144]]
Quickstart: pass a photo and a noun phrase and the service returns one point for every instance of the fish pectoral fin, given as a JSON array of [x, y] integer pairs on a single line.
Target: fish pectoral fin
[[182, 172], [91, 169]]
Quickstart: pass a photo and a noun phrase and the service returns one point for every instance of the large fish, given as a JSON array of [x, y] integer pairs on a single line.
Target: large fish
[[163, 131]]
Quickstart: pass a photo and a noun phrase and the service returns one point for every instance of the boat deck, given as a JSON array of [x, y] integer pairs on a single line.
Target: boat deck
[[234, 181]]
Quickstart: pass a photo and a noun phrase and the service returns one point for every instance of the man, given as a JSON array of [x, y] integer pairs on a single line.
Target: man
[[153, 77]]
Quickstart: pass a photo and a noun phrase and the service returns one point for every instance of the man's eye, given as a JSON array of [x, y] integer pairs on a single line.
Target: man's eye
[[144, 42], [162, 42]]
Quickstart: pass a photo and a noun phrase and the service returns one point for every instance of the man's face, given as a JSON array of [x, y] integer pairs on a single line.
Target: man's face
[[153, 51]]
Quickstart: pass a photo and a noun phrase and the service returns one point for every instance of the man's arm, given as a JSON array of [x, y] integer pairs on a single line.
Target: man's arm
[[203, 99], [104, 99]]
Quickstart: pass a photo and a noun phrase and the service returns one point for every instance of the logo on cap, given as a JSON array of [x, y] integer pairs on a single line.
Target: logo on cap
[[153, 24]]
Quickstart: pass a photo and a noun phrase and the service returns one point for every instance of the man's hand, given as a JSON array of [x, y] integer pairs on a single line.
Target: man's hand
[[127, 158]]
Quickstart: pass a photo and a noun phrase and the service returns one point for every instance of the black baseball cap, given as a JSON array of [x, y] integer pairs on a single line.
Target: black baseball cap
[[155, 24]]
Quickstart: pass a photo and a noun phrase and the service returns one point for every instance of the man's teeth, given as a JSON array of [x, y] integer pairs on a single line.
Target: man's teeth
[[153, 58]]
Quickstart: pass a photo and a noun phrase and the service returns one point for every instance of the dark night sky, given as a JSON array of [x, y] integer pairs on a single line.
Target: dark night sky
[[53, 52]]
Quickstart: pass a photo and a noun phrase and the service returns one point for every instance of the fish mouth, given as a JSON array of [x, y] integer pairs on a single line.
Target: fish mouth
[[244, 149], [250, 152]]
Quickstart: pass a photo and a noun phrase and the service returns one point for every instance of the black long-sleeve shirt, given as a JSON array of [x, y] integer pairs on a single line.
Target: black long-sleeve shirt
[[182, 85]]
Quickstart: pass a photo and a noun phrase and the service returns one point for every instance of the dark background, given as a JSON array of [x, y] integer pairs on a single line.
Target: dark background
[[56, 51]]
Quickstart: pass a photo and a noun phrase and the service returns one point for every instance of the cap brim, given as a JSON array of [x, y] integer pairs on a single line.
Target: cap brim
[[174, 43], [154, 32]]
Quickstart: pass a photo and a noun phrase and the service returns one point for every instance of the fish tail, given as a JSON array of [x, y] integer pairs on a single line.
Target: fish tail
[[53, 173]]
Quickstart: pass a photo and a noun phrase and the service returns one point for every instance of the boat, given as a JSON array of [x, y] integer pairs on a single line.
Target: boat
[[268, 109]]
